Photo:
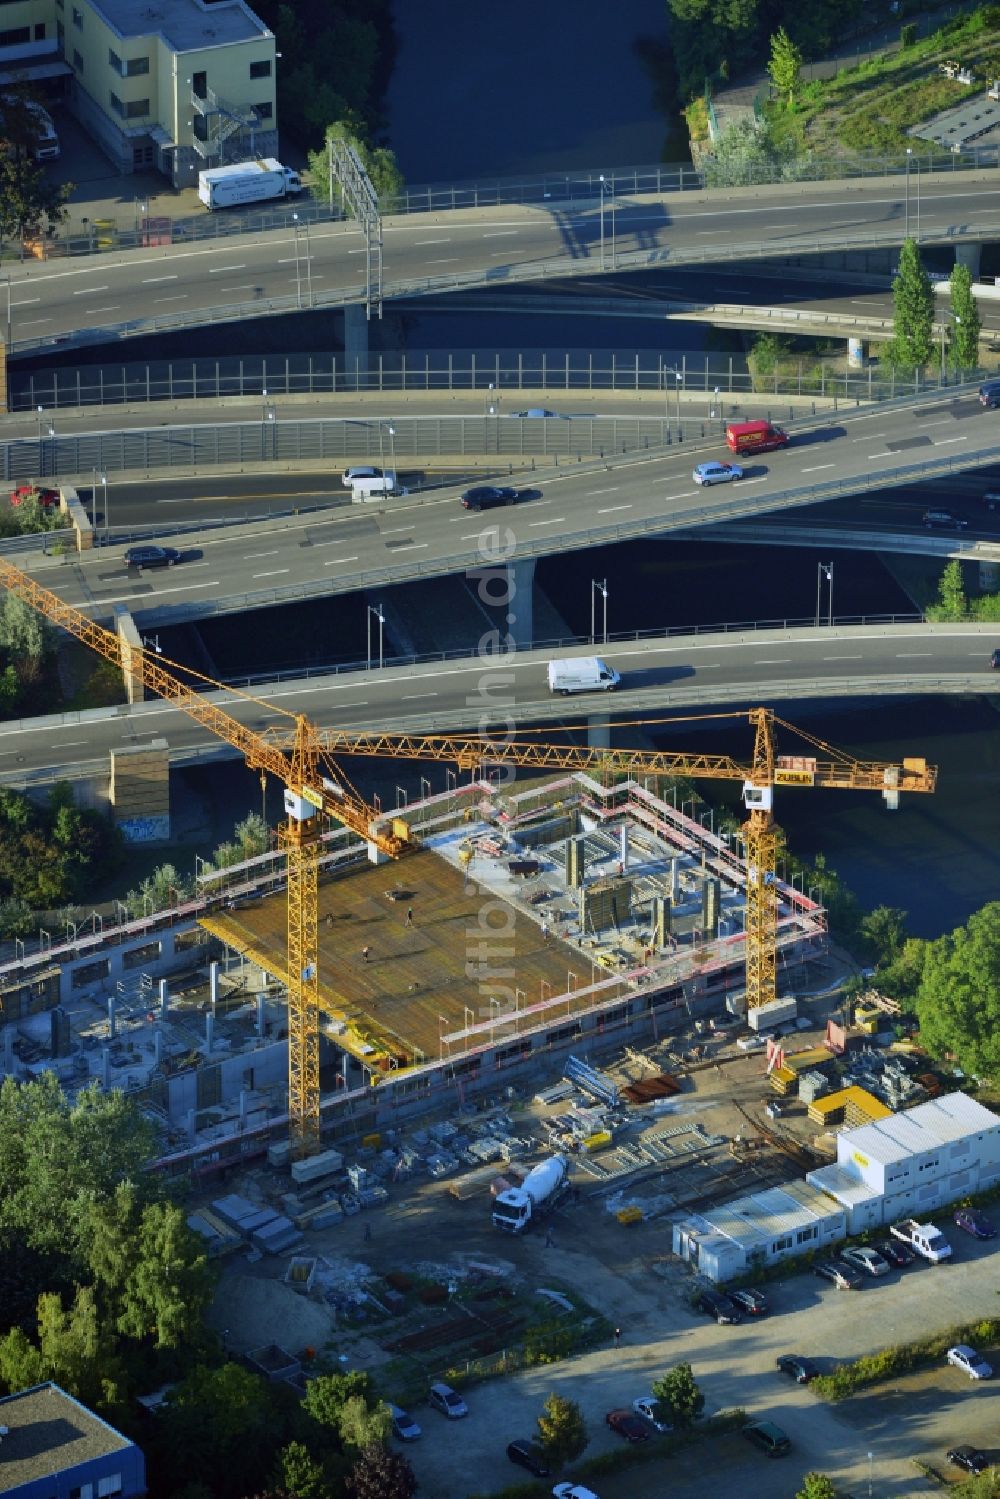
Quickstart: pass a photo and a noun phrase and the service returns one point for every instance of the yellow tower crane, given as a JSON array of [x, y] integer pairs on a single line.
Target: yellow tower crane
[[767, 769], [312, 787]]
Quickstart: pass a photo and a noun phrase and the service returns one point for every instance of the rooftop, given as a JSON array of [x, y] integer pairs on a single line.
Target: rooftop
[[49, 1432], [184, 25], [761, 1215], [924, 1127]]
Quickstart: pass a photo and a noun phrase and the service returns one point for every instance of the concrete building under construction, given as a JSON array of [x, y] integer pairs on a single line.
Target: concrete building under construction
[[568, 916]]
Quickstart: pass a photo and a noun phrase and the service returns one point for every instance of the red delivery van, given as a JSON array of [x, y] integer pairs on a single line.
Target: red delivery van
[[755, 437]]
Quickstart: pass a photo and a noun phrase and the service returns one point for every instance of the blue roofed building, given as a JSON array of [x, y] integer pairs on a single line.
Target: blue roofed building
[[52, 1447]]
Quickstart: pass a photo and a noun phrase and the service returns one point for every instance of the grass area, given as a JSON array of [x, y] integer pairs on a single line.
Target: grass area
[[875, 1368], [869, 108]]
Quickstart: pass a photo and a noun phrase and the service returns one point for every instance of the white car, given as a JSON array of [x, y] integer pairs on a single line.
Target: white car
[[868, 1260], [968, 1360], [646, 1407], [717, 473]]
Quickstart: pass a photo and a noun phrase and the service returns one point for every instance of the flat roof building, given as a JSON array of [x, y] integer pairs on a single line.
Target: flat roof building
[[180, 85], [759, 1229], [52, 1447], [913, 1162]]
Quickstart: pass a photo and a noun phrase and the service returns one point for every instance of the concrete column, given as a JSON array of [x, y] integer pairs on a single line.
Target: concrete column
[[675, 879], [213, 983], [989, 577], [209, 1032], [158, 1046], [355, 342], [112, 1032], [970, 255], [106, 1066], [260, 1017], [520, 602], [598, 731], [164, 999], [623, 855], [243, 1106]]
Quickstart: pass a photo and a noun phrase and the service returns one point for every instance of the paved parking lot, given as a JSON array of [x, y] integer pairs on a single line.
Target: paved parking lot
[[918, 1417]]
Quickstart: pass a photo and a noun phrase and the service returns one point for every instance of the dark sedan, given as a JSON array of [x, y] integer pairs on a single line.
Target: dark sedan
[[975, 1223], [802, 1370], [750, 1301], [527, 1455], [628, 1425], [896, 1253], [969, 1458], [149, 556], [487, 496]]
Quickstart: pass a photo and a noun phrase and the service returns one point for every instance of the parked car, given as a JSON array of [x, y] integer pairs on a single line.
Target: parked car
[[969, 1458], [943, 520], [749, 1300], [718, 1305], [768, 1437], [868, 1261], [529, 1455], [646, 1407], [448, 1401], [150, 556], [46, 497], [975, 1223], [487, 496], [717, 473], [843, 1277], [573, 1491], [403, 1425], [896, 1253], [969, 1361], [802, 1370], [628, 1425]]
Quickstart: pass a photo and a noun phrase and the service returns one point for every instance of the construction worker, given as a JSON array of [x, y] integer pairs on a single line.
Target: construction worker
[[409, 916], [364, 954]]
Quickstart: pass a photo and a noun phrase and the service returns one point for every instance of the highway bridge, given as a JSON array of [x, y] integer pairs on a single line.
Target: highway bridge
[[660, 675], [581, 505], [123, 293]]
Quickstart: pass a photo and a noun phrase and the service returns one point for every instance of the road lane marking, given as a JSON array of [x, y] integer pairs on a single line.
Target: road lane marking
[[445, 241], [411, 697], [842, 658], [592, 493], [870, 437], [275, 574], [90, 291], [181, 297], [252, 556], [149, 280], [776, 661], [948, 441], [553, 522], [448, 260], [337, 561], [500, 233], [396, 530], [610, 509], [913, 655], [222, 270], [417, 546], [818, 468]]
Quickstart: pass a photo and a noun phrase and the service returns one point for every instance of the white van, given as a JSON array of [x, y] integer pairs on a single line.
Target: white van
[[375, 487], [582, 674], [351, 476]]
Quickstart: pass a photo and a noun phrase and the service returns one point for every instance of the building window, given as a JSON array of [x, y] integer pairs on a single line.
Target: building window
[[77, 18], [77, 61], [117, 105], [108, 1486], [804, 1235], [40, 32], [116, 63], [780, 1244], [265, 110], [137, 109], [82, 1491], [136, 66], [15, 37], [260, 70]]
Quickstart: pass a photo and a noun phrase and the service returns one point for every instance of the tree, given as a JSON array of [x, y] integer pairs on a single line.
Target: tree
[[326, 1396], [28, 200], [958, 998], [744, 153], [381, 1474], [301, 1474], [72, 1349], [967, 322], [952, 604], [816, 1486], [677, 1392], [785, 66], [884, 930], [26, 636], [562, 1429], [218, 1423], [362, 1426], [378, 162], [913, 304]]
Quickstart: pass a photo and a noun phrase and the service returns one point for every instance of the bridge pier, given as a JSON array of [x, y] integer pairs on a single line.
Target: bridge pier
[[989, 577], [356, 344], [521, 602], [969, 255]]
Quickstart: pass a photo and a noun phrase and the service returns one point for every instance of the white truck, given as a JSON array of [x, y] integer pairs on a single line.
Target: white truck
[[375, 487], [514, 1209], [582, 674], [247, 182], [923, 1238]]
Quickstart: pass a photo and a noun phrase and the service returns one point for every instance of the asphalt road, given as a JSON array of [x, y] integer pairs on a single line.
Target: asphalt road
[[659, 677], [190, 283], [577, 507]]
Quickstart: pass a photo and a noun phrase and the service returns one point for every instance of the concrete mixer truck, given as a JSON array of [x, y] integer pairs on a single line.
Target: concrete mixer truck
[[514, 1209]]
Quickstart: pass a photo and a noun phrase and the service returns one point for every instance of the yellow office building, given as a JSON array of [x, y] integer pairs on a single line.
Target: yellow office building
[[178, 85]]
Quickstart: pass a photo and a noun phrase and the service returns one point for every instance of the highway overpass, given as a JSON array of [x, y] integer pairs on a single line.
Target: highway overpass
[[670, 674], [124, 293], [579, 506]]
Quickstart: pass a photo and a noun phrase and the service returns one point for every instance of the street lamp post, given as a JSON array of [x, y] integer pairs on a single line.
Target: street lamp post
[[906, 215], [871, 1459], [7, 335], [392, 448], [595, 589], [602, 221], [958, 320], [375, 609], [381, 450], [824, 570], [614, 250]]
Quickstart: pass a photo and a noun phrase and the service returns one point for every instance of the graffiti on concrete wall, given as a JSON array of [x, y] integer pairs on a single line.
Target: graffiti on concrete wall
[[145, 829]]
